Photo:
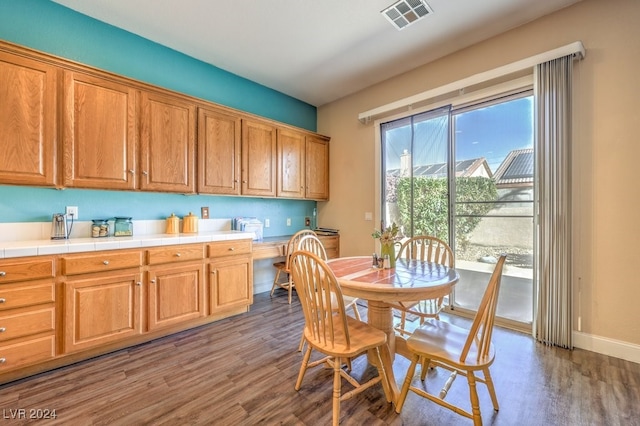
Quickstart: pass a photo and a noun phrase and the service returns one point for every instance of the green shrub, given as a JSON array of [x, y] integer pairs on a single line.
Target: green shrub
[[430, 201]]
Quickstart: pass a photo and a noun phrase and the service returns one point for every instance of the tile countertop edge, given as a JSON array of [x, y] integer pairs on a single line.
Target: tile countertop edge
[[12, 249]]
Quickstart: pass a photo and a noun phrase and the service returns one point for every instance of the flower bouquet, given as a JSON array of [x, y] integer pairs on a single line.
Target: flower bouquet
[[388, 237]]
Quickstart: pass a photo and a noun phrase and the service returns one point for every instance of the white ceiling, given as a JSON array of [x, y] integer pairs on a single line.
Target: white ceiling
[[313, 50]]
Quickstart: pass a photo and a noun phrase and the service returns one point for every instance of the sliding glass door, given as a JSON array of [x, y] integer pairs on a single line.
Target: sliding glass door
[[465, 175]]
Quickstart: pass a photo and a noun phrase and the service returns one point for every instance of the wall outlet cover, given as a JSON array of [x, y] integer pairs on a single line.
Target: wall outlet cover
[[204, 212]]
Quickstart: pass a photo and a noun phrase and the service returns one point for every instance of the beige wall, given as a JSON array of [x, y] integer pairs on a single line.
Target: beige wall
[[606, 151]]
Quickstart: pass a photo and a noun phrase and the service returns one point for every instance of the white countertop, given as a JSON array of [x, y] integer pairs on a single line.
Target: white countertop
[[10, 249]]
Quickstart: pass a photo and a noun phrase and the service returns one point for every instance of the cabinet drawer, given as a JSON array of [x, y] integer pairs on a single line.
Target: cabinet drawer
[[16, 296], [25, 353], [27, 323], [103, 261], [174, 254], [228, 248], [12, 271]]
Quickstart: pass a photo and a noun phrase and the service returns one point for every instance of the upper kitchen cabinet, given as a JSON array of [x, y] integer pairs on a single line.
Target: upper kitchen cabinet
[[167, 143], [291, 164], [27, 121], [258, 158], [219, 135], [317, 168], [99, 128]]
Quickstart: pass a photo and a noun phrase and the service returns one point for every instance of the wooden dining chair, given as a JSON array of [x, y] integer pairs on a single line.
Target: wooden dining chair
[[430, 249], [313, 244], [283, 266], [330, 331], [463, 352]]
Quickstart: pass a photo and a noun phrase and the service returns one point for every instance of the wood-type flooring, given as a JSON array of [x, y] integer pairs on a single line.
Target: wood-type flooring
[[242, 371]]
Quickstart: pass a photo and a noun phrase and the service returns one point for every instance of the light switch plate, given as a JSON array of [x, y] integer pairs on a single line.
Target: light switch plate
[[204, 212]]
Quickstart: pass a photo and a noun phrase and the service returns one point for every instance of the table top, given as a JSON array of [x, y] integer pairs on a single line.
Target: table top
[[409, 280]]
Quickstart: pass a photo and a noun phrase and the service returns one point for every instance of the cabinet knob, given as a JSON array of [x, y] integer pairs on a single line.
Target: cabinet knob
[[153, 281], [138, 283], [145, 173], [3, 329], [2, 300], [232, 248], [178, 254], [213, 271], [105, 262], [244, 181], [132, 171], [3, 360], [3, 273]]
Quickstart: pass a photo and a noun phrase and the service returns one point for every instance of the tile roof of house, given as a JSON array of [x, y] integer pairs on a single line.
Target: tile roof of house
[[464, 168]]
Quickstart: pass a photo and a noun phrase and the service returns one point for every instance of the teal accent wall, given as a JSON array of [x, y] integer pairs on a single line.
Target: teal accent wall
[[49, 27]]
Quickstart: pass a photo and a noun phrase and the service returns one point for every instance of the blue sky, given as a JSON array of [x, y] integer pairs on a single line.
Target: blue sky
[[491, 132]]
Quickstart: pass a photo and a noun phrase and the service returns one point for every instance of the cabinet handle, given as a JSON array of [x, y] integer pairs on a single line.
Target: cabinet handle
[[3, 360], [138, 283], [132, 171], [213, 271], [3, 273], [145, 173], [178, 255], [2, 300], [153, 281], [3, 329], [244, 181], [105, 262], [232, 248]]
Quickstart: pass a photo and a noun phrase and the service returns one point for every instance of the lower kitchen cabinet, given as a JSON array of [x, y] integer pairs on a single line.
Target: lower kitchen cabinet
[[175, 294], [230, 283], [101, 310]]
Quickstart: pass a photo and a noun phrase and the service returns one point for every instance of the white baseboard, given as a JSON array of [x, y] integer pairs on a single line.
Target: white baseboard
[[606, 346]]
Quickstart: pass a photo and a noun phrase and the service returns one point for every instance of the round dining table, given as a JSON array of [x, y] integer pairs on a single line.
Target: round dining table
[[410, 280]]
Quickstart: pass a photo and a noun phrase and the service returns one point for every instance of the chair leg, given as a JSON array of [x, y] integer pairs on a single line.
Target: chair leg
[[492, 390], [290, 287], [303, 368], [356, 314], [301, 345], [424, 368], [275, 281], [407, 383], [475, 402], [382, 373], [337, 379]]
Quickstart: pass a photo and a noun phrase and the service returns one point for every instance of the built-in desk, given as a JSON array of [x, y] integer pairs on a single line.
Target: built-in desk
[[271, 247]]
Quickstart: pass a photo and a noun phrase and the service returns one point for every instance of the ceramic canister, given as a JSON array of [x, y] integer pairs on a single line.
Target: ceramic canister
[[173, 224], [190, 223]]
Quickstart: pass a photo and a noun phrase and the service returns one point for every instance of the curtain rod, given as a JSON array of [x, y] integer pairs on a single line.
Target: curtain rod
[[576, 49]]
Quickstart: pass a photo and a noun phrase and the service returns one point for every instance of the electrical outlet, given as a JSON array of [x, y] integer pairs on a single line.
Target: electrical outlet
[[204, 212], [72, 211], [307, 221], [288, 221], [267, 223]]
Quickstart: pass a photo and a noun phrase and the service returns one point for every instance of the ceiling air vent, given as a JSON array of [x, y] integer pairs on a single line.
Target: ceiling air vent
[[405, 12]]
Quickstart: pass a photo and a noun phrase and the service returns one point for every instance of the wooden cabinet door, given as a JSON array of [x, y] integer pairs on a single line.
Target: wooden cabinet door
[[27, 121], [317, 173], [99, 133], [101, 310], [258, 159], [291, 164], [175, 294], [230, 283], [218, 152], [167, 143]]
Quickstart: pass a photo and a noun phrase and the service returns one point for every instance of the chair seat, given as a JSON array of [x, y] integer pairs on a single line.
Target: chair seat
[[362, 336], [443, 341], [280, 265]]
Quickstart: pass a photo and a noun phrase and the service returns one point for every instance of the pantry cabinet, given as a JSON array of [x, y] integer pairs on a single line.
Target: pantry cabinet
[[219, 136], [167, 143], [28, 120], [258, 158], [99, 133]]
